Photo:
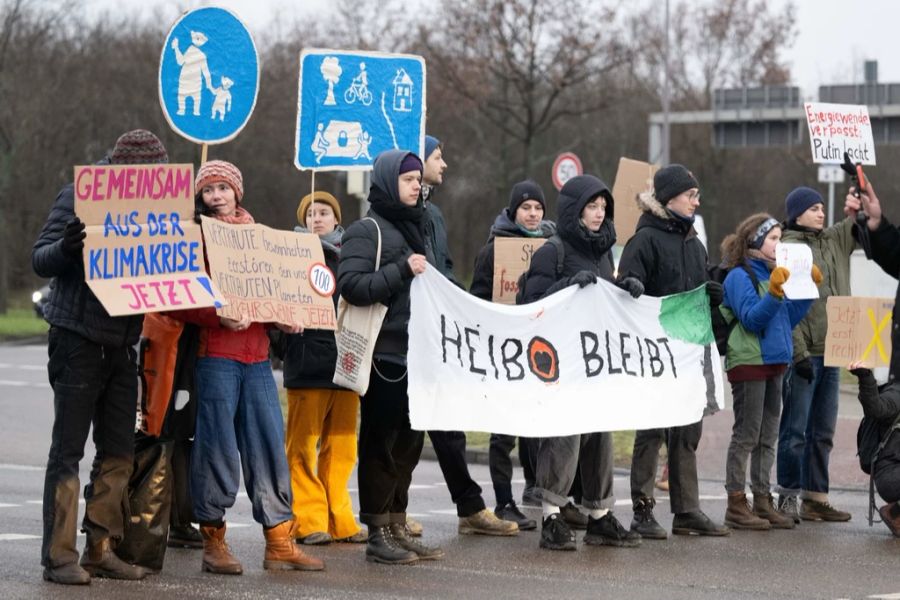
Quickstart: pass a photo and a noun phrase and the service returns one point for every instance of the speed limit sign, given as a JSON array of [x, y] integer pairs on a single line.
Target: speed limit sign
[[565, 167]]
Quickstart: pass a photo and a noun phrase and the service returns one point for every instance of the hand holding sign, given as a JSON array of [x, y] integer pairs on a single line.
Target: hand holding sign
[[797, 259]]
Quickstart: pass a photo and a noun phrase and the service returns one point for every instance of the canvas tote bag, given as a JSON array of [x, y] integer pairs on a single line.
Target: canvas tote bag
[[357, 330]]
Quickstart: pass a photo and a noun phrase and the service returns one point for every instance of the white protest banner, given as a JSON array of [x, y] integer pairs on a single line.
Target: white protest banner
[[512, 257], [143, 252], [838, 128], [797, 258], [271, 275], [581, 360], [859, 329]]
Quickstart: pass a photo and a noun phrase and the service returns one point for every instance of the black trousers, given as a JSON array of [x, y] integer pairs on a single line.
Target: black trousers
[[682, 442], [450, 448], [389, 449], [92, 384], [182, 513], [502, 468]]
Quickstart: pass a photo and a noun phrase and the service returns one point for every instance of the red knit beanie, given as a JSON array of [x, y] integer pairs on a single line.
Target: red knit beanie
[[220, 170]]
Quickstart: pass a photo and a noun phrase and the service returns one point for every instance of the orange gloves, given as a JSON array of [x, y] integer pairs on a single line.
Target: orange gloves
[[816, 275], [778, 277]]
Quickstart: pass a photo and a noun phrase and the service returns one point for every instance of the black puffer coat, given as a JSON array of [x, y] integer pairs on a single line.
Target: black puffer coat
[[886, 252], [884, 408], [584, 251]]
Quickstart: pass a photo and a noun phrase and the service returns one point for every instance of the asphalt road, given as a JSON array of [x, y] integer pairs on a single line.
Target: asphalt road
[[816, 560]]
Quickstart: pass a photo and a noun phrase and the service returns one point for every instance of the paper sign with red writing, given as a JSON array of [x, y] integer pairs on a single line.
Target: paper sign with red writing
[[859, 329], [512, 257], [143, 252], [269, 274], [798, 260], [632, 178], [838, 128]]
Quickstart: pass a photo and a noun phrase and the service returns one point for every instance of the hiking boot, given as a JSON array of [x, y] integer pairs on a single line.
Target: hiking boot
[[359, 537], [738, 515], [511, 512], [644, 523], [67, 574], [556, 534], [764, 506], [789, 506], [697, 523], [184, 536], [100, 561], [574, 517], [401, 538], [217, 557], [382, 548], [890, 514], [283, 554], [607, 531], [530, 497], [484, 522], [413, 527], [316, 538], [812, 510]]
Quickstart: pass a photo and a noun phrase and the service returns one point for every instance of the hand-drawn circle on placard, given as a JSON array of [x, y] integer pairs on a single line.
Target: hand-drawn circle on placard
[[566, 166], [208, 76], [322, 279]]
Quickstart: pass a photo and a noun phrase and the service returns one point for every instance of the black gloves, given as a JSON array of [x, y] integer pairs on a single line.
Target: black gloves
[[716, 292], [583, 278], [803, 368], [73, 238], [632, 285]]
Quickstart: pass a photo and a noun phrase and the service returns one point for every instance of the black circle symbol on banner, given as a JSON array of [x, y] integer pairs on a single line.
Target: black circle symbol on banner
[[543, 359]]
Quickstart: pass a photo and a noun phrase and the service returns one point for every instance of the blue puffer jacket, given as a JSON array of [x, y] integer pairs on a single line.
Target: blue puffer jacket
[[763, 333]]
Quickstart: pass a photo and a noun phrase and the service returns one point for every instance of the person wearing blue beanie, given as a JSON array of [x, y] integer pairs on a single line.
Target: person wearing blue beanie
[[800, 200]]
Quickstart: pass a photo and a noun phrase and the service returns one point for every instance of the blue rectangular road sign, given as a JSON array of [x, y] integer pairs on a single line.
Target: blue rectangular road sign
[[353, 105]]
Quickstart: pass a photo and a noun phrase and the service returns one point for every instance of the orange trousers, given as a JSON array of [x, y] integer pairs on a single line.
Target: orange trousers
[[321, 450]]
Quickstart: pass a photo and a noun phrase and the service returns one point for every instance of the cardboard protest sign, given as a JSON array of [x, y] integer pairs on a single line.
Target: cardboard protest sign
[[632, 178], [512, 257], [271, 275], [838, 128], [143, 252], [859, 329], [797, 259]]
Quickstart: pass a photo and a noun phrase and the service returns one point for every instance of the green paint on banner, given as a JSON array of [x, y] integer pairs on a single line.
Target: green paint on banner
[[687, 317]]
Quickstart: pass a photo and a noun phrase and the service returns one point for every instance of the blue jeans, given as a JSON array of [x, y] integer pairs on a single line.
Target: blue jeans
[[806, 434], [239, 426]]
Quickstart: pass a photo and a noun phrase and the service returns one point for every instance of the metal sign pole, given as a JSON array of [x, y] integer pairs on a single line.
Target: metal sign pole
[[830, 203]]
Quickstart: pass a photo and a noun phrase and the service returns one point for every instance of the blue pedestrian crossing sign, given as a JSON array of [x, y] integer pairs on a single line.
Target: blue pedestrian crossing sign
[[353, 105], [208, 76]]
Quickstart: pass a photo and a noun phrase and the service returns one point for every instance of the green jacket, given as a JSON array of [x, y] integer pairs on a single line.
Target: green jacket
[[831, 249]]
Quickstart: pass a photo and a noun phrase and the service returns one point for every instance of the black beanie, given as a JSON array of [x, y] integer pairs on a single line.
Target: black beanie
[[799, 201], [522, 191], [671, 181]]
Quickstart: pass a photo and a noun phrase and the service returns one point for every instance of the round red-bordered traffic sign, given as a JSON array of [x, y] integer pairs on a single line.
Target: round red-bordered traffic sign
[[566, 166], [321, 279]]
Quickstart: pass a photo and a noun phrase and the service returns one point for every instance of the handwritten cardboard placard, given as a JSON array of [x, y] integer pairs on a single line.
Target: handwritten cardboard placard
[[632, 178], [858, 329], [512, 257], [797, 259], [143, 252], [271, 275], [838, 128]]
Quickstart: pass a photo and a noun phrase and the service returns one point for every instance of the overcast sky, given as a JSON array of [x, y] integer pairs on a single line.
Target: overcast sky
[[834, 36]]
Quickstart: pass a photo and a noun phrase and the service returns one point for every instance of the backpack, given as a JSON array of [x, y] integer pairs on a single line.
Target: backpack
[[722, 325], [557, 242], [871, 438]]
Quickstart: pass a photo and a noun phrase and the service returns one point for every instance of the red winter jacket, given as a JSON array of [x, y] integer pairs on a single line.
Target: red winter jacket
[[248, 346]]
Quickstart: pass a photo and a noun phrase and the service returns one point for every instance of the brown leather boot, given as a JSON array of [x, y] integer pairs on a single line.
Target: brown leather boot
[[764, 507], [100, 561], [739, 516], [217, 557], [890, 514], [283, 553]]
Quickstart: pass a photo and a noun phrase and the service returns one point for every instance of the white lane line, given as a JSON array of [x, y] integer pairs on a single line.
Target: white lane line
[[11, 467], [13, 383], [233, 525], [12, 537], [894, 596], [448, 511], [6, 505]]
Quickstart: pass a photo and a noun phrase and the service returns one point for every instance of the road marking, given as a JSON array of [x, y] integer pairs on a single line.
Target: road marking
[[895, 596], [23, 367], [6, 505], [442, 511], [11, 467], [12, 537], [13, 383]]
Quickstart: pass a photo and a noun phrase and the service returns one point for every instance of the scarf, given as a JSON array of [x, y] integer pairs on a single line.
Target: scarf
[[240, 217], [410, 220]]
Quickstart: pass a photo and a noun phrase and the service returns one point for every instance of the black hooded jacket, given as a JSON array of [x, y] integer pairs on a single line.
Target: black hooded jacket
[[584, 251], [483, 278], [359, 283]]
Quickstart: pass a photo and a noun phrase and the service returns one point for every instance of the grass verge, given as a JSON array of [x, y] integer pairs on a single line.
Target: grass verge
[[20, 323]]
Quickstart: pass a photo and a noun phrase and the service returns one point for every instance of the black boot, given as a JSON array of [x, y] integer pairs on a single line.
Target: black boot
[[697, 523], [402, 538], [511, 512], [556, 534], [574, 518], [607, 531], [645, 523], [184, 536], [382, 548]]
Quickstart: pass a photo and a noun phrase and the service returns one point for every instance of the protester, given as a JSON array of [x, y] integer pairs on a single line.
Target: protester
[[586, 237], [93, 372], [239, 422], [450, 446], [523, 218], [388, 447], [666, 255], [321, 417], [810, 393], [759, 350]]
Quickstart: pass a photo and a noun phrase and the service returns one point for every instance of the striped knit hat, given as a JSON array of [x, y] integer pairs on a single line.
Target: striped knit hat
[[220, 170], [138, 147]]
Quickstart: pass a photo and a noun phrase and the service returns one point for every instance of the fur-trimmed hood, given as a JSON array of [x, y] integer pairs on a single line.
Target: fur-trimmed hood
[[648, 203]]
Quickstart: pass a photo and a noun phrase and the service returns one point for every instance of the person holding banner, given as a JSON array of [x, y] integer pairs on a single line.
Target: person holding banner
[[759, 350], [239, 422], [810, 392], [389, 449], [321, 418], [666, 255], [93, 372], [579, 254], [523, 218]]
